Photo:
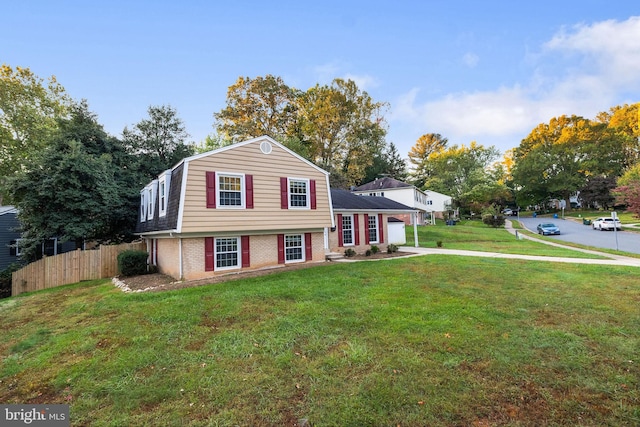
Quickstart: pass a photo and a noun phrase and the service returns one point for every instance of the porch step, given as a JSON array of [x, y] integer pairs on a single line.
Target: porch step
[[332, 256]]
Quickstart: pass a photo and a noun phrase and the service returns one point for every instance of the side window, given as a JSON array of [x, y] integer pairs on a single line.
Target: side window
[[372, 226], [143, 206], [227, 253], [150, 203], [298, 193], [294, 249], [230, 190], [162, 197], [347, 230]]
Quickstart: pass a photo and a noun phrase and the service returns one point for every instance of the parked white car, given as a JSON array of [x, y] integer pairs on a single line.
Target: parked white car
[[606, 223]]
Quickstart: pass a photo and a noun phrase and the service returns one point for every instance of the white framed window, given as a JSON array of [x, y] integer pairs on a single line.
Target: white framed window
[[294, 248], [230, 190], [347, 230], [150, 202], [227, 253], [372, 228], [299, 197], [143, 206], [162, 197]]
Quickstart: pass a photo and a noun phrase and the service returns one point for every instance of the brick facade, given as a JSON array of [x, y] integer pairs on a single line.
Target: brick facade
[[263, 253]]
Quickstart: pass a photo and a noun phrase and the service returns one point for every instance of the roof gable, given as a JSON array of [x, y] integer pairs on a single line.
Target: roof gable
[[259, 139]]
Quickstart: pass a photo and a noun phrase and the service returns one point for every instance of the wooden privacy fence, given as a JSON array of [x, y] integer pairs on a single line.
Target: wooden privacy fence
[[70, 267]]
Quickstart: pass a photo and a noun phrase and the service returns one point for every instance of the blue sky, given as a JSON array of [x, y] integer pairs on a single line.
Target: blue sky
[[485, 71]]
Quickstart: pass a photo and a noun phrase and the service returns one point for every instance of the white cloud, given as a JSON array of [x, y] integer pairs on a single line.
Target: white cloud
[[470, 59], [600, 67], [364, 82]]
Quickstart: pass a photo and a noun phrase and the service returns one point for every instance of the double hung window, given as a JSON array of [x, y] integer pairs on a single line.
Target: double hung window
[[294, 249], [230, 192], [347, 230]]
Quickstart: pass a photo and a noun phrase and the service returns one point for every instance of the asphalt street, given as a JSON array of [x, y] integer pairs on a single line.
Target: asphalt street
[[576, 232]]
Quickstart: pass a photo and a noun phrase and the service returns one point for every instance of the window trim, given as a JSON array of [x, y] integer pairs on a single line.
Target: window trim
[[162, 196], [243, 190], [150, 202], [377, 228], [353, 237], [238, 252], [290, 194], [143, 205], [302, 248]]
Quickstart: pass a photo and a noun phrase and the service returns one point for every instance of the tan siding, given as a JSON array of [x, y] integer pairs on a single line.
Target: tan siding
[[267, 214]]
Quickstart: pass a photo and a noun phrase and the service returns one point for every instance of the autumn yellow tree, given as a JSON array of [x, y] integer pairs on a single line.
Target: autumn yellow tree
[[256, 107], [344, 128], [557, 158]]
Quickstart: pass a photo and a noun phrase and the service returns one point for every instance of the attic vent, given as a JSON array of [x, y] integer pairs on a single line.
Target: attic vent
[[265, 147]]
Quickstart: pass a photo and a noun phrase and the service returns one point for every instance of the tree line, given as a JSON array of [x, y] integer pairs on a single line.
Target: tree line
[[72, 180]]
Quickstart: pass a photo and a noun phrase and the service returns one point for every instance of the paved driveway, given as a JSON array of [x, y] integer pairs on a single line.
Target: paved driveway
[[575, 232]]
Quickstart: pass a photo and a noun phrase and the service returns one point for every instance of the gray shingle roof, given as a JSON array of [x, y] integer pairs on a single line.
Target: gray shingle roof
[[346, 200], [382, 183]]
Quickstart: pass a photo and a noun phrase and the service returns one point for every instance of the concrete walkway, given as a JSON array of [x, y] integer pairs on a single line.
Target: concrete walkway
[[612, 259]]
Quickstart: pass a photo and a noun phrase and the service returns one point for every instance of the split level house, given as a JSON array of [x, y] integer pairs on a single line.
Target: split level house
[[430, 204], [250, 205]]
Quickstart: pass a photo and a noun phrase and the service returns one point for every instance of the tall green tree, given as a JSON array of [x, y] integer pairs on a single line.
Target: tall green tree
[[425, 146], [388, 163], [29, 107], [159, 141], [72, 189], [556, 159], [465, 174], [344, 128]]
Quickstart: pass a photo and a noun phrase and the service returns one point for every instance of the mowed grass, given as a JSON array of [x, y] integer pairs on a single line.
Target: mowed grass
[[423, 341], [477, 236]]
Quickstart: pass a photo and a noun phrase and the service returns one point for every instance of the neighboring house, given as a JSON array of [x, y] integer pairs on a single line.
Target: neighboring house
[[246, 206], [363, 221], [9, 236], [428, 203]]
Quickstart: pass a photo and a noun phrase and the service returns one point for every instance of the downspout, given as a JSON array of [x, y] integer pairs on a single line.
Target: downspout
[[415, 229], [180, 257]]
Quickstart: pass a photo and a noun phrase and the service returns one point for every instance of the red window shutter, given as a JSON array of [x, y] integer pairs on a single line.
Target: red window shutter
[[209, 254], [211, 190], [284, 193], [280, 248], [308, 248], [340, 239], [381, 228], [246, 258], [248, 182], [356, 229], [312, 191], [366, 229]]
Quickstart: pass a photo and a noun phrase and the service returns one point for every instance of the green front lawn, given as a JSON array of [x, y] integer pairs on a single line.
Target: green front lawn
[[437, 341], [476, 236]]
